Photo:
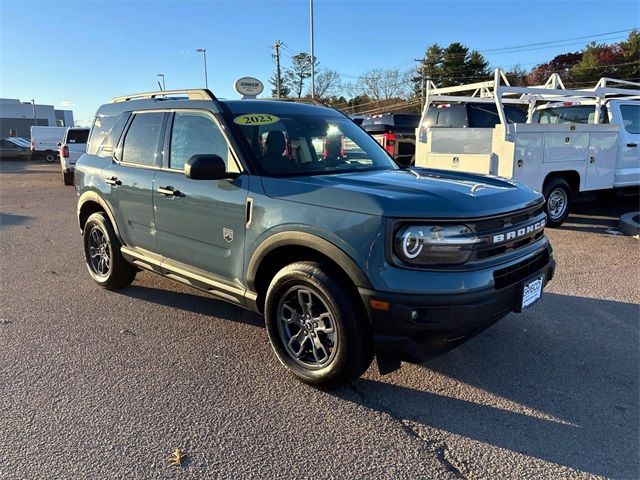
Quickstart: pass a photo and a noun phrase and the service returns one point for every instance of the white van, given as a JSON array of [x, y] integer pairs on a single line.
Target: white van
[[73, 145], [45, 142]]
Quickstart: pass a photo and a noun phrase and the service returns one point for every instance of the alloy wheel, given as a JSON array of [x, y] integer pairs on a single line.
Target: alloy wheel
[[307, 328], [99, 252]]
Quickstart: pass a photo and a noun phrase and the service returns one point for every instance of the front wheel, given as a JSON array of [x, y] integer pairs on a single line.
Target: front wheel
[[102, 254], [557, 193], [316, 326]]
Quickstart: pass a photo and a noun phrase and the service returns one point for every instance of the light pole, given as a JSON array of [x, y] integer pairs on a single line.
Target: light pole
[[313, 58], [35, 118], [204, 53], [164, 87]]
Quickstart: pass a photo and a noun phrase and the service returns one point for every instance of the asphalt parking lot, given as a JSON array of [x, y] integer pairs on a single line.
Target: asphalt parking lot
[[96, 384]]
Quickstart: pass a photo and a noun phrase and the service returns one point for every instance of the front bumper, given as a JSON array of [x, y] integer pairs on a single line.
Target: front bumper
[[419, 326]]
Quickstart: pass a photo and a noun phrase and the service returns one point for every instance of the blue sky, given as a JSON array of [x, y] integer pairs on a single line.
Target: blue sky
[[80, 53]]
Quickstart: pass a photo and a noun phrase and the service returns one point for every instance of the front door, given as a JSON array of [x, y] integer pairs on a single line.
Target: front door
[[129, 180], [201, 223]]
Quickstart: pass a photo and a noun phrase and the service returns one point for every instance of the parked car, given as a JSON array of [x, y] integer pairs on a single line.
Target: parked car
[[293, 211], [73, 145], [45, 142], [395, 132], [557, 141], [14, 148]]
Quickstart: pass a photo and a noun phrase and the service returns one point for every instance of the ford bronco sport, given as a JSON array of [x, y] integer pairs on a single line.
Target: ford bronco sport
[[293, 211]]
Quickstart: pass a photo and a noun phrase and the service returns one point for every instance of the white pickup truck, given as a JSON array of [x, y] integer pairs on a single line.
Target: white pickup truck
[[571, 140]]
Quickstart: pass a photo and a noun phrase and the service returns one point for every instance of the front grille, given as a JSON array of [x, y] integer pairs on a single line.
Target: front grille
[[515, 221], [518, 272], [507, 220]]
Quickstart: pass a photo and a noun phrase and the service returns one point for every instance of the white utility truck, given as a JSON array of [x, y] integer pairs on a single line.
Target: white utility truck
[[556, 140], [45, 142]]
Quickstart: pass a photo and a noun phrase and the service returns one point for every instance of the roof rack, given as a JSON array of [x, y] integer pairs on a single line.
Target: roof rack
[[192, 94], [501, 92]]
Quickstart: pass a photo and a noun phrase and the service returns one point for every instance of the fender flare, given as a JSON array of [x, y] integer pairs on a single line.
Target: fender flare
[[313, 242], [92, 196]]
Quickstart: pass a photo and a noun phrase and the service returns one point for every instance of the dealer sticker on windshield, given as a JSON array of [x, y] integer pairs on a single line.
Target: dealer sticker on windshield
[[531, 292], [256, 119]]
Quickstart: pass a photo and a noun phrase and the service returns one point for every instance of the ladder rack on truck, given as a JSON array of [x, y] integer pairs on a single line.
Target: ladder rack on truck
[[494, 128]]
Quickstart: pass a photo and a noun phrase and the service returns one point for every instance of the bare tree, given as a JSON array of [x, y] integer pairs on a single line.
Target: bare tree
[[382, 84], [298, 72], [328, 83]]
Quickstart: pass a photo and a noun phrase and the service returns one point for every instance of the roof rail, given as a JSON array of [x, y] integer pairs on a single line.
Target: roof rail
[[192, 94]]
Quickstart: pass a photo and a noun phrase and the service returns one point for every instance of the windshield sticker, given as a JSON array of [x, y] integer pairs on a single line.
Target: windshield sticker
[[256, 119]]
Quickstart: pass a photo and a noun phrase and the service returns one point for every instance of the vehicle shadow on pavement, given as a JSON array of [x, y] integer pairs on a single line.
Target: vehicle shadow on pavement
[[8, 219], [199, 304], [595, 215], [559, 383]]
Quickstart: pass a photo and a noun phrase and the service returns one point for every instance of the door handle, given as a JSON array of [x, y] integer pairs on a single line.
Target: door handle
[[169, 191], [592, 159], [631, 145], [113, 181]]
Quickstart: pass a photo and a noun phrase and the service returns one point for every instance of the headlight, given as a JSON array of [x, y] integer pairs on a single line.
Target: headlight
[[435, 244]]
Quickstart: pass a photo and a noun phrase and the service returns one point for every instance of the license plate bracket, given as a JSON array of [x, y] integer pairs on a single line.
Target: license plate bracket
[[530, 292]]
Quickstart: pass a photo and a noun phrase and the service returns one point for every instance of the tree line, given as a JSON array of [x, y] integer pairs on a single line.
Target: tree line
[[452, 65]]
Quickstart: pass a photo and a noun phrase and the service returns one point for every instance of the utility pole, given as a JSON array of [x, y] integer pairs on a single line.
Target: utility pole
[[35, 118], [277, 46], [423, 80], [313, 58], [204, 53]]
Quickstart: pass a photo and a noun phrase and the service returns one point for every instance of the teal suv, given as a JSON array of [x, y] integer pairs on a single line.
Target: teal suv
[[293, 211]]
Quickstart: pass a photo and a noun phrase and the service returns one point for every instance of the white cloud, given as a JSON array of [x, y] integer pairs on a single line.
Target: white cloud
[[66, 103]]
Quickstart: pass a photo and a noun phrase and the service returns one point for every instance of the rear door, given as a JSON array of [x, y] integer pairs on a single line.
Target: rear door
[[76, 142], [201, 224], [129, 179]]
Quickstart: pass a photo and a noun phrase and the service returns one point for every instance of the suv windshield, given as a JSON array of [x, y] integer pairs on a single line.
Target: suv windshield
[[301, 144]]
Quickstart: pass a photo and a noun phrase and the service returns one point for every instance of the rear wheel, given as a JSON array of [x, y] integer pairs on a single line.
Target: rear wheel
[[49, 157], [557, 193], [317, 328], [102, 254]]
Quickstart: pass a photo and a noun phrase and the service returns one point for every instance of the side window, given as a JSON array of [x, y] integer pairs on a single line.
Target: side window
[[141, 140], [631, 118], [196, 133]]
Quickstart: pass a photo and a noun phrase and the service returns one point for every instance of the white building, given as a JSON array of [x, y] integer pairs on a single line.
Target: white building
[[17, 118]]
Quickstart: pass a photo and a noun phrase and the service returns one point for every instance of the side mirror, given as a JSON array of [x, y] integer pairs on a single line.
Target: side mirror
[[205, 167]]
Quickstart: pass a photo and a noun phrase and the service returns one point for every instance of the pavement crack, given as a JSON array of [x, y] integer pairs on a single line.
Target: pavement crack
[[440, 449]]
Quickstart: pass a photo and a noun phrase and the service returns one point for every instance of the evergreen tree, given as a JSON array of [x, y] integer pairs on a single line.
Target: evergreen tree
[[631, 57]]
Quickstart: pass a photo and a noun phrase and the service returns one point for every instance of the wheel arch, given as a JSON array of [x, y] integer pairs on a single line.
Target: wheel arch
[[285, 248], [88, 204], [572, 177]]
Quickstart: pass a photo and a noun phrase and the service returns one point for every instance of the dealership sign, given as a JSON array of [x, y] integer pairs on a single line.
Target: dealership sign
[[248, 87]]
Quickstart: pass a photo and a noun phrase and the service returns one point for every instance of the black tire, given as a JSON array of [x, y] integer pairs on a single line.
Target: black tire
[[114, 272], [557, 193], [352, 350], [49, 157], [67, 177]]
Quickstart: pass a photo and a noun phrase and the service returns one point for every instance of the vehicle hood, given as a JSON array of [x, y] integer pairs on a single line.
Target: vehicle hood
[[415, 193]]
